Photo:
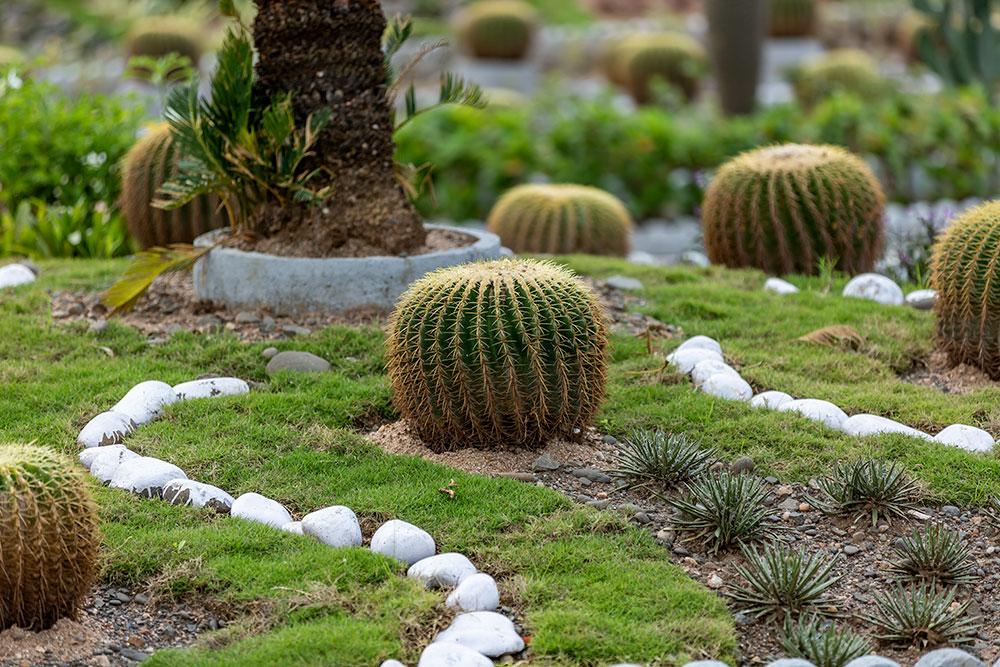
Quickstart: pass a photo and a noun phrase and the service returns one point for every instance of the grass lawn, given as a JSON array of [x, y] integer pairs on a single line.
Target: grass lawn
[[591, 589]]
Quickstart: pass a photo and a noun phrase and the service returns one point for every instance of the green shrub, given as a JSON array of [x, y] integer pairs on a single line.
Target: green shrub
[[40, 230], [841, 70], [59, 149], [792, 18], [48, 537], [148, 165], [504, 352], [963, 273], [561, 219], [783, 209], [500, 29]]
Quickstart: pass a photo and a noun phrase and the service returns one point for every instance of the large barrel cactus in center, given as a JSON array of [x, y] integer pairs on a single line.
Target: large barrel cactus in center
[[505, 352], [48, 537], [965, 272], [783, 208]]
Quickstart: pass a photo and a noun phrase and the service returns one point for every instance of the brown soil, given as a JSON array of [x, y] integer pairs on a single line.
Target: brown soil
[[936, 371], [304, 245]]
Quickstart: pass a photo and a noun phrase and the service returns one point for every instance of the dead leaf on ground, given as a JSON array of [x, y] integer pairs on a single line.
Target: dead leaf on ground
[[837, 335]]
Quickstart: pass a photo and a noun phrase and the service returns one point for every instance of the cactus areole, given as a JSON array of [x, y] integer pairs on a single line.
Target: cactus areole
[[498, 353], [783, 209], [329, 54]]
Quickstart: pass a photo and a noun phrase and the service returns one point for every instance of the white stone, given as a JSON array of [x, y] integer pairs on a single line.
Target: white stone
[[392, 663], [108, 460], [780, 286], [872, 661], [294, 527], [448, 569], [874, 287], [969, 438], [261, 509], [13, 275], [865, 425], [623, 283], [770, 399], [487, 632], [921, 299], [686, 360], [145, 476], [709, 367], [145, 401], [336, 526], [107, 428], [403, 541], [815, 409], [90, 454], [186, 492], [727, 386], [452, 655], [949, 657], [701, 342], [477, 593], [210, 388]]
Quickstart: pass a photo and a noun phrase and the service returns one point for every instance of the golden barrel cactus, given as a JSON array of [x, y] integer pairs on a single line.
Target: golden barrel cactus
[[157, 36], [497, 353], [792, 18], [672, 57], [48, 537], [841, 70], [783, 208], [149, 164], [966, 276], [497, 29], [561, 219]]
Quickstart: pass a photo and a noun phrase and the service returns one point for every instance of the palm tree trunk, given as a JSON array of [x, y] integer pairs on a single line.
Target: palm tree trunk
[[329, 53]]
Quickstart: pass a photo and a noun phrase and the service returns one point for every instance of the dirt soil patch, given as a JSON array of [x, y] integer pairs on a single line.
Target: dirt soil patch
[[936, 371], [436, 241]]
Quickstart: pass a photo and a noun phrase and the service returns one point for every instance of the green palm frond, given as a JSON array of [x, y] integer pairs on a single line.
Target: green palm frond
[[454, 90], [144, 269], [398, 31]]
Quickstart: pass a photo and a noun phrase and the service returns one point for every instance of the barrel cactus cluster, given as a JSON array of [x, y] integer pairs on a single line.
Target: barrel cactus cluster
[[965, 274], [848, 70], [783, 209], [674, 58], [498, 29], [792, 18], [48, 537], [148, 165], [157, 36], [561, 219], [497, 353]]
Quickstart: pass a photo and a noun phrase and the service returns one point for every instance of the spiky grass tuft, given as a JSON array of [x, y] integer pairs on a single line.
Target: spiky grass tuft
[[48, 537], [783, 209], [497, 353], [935, 555], [782, 581], [922, 617], [867, 487], [820, 642], [560, 220], [661, 458]]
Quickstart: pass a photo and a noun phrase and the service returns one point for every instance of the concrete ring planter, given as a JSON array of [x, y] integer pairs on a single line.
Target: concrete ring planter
[[290, 285]]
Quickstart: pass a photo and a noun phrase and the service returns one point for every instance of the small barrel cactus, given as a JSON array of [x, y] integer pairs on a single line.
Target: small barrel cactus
[[498, 29], [48, 537], [157, 36], [965, 274], [561, 219], [782, 209], [148, 165], [673, 57], [502, 352], [792, 18], [847, 70]]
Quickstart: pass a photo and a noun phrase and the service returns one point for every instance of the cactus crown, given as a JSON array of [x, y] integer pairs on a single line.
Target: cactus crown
[[848, 70], [501, 352], [965, 274], [783, 208], [48, 537], [561, 219], [501, 29], [159, 35], [675, 57], [147, 166], [792, 18]]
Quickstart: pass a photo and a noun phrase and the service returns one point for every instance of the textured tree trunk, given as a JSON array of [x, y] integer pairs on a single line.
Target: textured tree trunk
[[329, 53], [736, 42]]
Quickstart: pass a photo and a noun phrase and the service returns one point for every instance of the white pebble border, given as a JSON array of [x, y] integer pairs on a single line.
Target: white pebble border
[[713, 376], [871, 286]]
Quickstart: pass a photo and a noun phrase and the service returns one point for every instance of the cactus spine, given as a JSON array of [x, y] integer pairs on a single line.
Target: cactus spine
[[965, 274], [157, 36], [561, 219], [848, 70], [495, 353], [498, 29], [783, 208], [48, 537], [792, 18], [148, 165], [674, 57]]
